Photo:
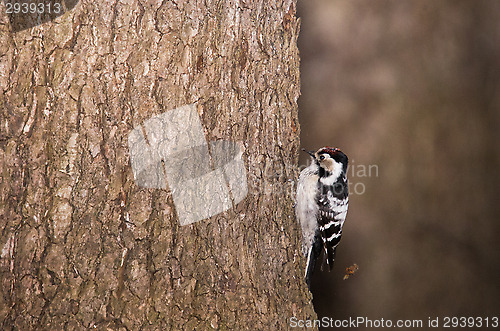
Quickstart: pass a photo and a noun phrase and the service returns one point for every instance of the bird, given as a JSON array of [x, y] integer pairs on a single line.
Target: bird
[[321, 206]]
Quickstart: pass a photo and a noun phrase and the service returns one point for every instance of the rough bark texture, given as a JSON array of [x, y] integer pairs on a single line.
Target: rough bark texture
[[82, 245]]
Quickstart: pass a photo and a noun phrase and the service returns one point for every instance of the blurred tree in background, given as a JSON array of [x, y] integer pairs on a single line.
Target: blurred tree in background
[[411, 88]]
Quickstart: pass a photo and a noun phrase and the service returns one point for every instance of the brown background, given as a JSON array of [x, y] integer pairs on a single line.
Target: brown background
[[413, 88]]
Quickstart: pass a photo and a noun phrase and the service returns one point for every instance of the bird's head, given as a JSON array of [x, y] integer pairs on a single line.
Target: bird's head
[[332, 160]]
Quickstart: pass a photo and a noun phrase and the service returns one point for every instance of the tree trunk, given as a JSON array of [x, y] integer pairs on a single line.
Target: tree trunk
[[84, 243]]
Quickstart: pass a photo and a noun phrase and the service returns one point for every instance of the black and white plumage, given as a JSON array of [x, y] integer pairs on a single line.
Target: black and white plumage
[[322, 202]]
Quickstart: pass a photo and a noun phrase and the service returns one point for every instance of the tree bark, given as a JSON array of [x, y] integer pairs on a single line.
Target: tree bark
[[83, 245]]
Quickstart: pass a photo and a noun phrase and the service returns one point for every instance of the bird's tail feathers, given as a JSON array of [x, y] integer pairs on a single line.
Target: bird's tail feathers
[[309, 267], [330, 256], [312, 256]]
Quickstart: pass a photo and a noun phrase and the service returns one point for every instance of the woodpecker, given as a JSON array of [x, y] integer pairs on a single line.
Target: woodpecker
[[322, 202]]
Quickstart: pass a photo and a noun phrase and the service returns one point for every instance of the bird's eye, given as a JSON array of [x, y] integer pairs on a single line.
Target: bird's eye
[[321, 157]]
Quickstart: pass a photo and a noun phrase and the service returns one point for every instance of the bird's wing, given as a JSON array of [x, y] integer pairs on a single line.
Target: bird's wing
[[333, 206]]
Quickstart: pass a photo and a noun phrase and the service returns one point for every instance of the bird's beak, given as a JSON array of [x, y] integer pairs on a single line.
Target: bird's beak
[[309, 152]]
